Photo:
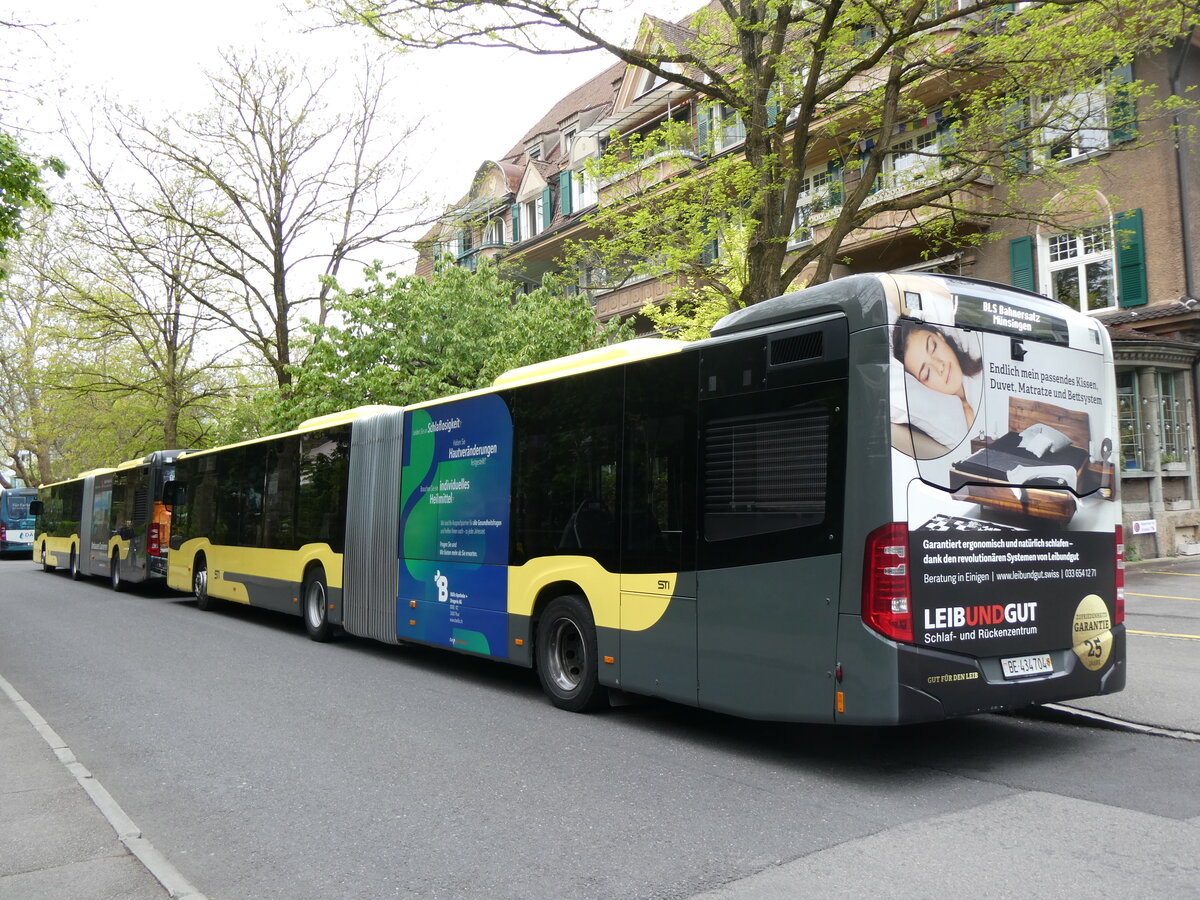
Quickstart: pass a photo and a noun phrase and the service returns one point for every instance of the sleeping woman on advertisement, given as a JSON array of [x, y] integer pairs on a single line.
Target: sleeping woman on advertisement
[[944, 401]]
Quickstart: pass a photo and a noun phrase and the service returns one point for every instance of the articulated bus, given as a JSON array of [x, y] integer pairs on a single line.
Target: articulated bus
[[64, 514], [16, 521], [885, 499], [109, 522]]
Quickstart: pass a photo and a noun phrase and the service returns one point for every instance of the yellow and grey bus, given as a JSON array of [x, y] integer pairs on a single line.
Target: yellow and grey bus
[[108, 522], [885, 499]]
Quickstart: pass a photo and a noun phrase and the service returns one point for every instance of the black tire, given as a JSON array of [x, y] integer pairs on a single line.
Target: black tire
[[566, 655], [75, 573], [314, 602], [46, 567], [114, 573], [204, 599]]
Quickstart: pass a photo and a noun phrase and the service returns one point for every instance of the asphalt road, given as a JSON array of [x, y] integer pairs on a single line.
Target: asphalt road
[[264, 765]]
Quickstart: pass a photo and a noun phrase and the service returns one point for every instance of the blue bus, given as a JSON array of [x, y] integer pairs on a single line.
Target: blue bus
[[16, 522]]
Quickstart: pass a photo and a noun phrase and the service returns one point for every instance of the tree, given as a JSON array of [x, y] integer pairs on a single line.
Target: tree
[[22, 176], [21, 190], [128, 278], [47, 430], [283, 190], [823, 86], [406, 339]]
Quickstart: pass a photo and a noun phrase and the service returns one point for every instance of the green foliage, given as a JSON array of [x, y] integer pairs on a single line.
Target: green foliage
[[20, 190], [403, 339]]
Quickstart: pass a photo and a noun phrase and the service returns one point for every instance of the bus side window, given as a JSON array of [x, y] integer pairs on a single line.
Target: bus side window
[[564, 485], [658, 504]]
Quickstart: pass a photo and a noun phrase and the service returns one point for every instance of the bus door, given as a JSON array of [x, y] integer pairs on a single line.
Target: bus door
[[772, 426], [658, 529], [96, 552]]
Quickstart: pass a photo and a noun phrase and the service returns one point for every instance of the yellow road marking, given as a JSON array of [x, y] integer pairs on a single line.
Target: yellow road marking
[[1160, 596], [1190, 637], [1188, 574]]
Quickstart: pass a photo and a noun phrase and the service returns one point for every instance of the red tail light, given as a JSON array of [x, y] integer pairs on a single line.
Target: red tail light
[[3, 532], [153, 541], [1119, 607], [887, 602]]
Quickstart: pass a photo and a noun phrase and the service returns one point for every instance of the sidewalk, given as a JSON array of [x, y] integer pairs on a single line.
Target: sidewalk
[[54, 841]]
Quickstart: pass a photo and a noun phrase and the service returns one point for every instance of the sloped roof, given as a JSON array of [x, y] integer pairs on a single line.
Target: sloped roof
[[1161, 309], [595, 92]]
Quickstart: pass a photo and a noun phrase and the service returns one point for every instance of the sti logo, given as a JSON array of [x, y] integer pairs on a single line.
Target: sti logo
[[443, 586]]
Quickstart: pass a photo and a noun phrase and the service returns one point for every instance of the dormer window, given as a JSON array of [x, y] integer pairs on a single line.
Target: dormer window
[[494, 237], [568, 141], [534, 152], [652, 80]]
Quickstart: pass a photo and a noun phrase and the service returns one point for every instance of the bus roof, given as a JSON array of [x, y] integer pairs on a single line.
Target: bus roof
[[314, 424], [79, 477], [600, 358]]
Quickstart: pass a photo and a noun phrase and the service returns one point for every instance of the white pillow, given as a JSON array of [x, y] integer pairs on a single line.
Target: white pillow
[[1057, 439], [1037, 444], [939, 415]]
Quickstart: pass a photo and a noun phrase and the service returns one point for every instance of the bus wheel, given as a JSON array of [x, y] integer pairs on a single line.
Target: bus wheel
[[316, 605], [75, 574], [114, 573], [46, 567], [200, 584], [566, 655]]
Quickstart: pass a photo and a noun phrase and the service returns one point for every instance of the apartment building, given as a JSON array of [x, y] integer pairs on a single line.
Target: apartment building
[[1127, 250]]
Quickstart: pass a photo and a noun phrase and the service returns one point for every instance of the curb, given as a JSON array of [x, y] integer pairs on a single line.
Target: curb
[[127, 832]]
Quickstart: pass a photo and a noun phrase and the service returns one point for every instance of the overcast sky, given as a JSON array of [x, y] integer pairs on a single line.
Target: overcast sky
[[475, 103]]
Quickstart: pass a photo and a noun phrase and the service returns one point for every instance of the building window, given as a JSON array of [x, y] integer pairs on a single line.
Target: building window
[[494, 237], [532, 217], [720, 124], [1133, 454], [820, 191], [909, 161], [1172, 421], [1079, 124], [584, 187], [1080, 268]]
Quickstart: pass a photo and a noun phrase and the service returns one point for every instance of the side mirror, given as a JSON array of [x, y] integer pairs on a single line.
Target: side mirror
[[36, 507]]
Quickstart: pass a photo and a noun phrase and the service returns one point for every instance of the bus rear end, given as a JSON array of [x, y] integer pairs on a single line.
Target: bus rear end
[[998, 582], [16, 522]]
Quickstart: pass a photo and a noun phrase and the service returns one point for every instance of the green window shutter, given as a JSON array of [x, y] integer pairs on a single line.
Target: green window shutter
[[703, 126], [772, 107], [516, 223], [1122, 108], [837, 183], [1020, 257], [947, 136], [566, 197], [1016, 155], [547, 206], [862, 167], [1131, 259]]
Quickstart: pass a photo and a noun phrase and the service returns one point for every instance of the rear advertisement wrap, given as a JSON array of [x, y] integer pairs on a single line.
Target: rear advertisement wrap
[[454, 519], [1003, 465]]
